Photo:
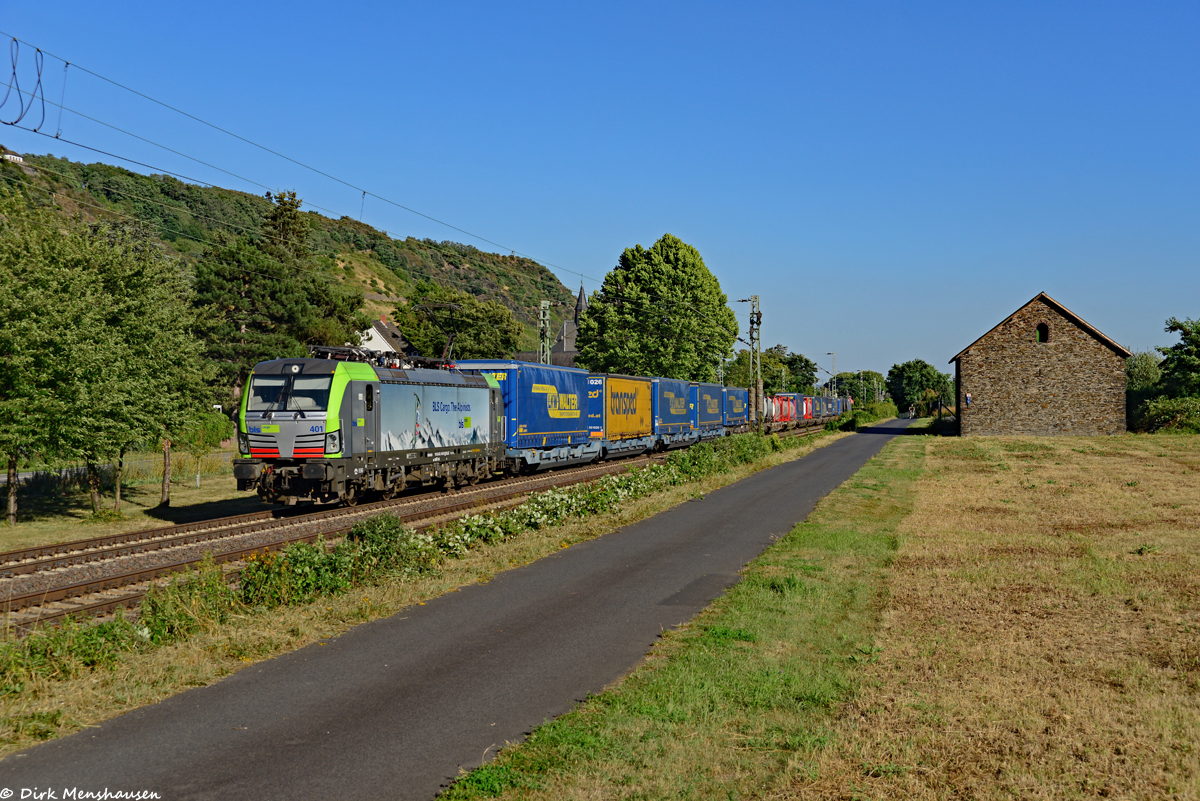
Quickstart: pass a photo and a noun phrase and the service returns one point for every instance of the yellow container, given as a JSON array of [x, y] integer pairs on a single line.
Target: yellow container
[[627, 407]]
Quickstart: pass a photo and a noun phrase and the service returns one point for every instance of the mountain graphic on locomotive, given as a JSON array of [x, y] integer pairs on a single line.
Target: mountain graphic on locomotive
[[340, 426]]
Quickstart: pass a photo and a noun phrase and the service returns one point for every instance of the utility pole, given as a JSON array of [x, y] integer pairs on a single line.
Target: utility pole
[[757, 401], [833, 379], [544, 333]]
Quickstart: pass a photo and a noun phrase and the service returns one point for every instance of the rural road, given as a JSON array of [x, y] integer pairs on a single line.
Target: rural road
[[392, 709]]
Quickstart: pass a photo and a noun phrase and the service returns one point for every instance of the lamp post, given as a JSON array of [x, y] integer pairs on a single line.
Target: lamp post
[[833, 375]]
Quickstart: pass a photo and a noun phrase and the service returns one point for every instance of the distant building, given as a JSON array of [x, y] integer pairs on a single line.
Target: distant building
[[1044, 371], [563, 350], [14, 158], [385, 337]]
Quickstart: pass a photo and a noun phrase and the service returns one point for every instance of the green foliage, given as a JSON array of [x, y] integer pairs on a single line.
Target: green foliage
[[862, 416], [782, 371], [918, 383], [862, 386], [97, 335], [61, 652], [659, 312], [299, 574], [1181, 362], [1142, 371], [266, 298], [1178, 415], [197, 601], [482, 329], [193, 219], [204, 433]]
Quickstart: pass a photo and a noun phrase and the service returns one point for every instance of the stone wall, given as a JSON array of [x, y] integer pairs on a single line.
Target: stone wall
[[1071, 384]]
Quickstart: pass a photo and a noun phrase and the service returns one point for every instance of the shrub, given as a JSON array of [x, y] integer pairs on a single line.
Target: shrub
[[200, 600], [1180, 415]]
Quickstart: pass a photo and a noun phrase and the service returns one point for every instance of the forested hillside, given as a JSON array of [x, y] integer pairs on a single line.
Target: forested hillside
[[190, 219]]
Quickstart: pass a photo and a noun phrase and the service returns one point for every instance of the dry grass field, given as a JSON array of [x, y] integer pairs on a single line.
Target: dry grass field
[[1042, 634]]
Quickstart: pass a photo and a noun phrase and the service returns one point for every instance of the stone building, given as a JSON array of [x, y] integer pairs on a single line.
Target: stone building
[[1044, 371]]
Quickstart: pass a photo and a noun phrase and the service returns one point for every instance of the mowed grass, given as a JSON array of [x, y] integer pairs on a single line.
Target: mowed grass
[[41, 708], [742, 701], [1042, 636]]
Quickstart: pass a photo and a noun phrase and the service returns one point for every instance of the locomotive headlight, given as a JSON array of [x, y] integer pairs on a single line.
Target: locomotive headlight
[[243, 443], [333, 442]]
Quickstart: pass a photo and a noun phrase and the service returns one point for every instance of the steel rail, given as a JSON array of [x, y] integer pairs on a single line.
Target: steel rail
[[326, 526], [329, 524], [68, 554]]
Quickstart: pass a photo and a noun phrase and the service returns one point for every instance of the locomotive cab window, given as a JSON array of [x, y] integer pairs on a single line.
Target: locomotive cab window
[[370, 397], [276, 393], [1043, 332]]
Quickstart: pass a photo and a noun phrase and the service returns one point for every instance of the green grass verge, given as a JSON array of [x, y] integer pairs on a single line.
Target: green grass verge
[[735, 703]]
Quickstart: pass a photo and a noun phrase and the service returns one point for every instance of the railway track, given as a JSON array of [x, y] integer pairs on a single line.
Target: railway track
[[93, 577]]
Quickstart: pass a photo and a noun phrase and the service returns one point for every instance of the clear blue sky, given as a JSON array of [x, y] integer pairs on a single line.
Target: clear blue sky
[[892, 178]]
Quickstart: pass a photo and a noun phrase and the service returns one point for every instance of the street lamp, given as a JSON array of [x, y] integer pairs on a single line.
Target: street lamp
[[833, 375]]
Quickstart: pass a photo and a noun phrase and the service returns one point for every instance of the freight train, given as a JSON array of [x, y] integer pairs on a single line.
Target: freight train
[[355, 424]]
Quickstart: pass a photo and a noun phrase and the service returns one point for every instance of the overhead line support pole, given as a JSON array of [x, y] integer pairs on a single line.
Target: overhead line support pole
[[544, 333]]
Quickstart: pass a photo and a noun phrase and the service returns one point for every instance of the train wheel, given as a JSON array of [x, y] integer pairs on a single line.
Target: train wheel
[[351, 497]]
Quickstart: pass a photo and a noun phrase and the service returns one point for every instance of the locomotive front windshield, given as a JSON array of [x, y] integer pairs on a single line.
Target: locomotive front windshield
[[291, 393]]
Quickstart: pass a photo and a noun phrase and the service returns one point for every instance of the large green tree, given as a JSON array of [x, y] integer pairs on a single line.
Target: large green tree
[[140, 370], [917, 381], [264, 298], [659, 312], [47, 305], [482, 329]]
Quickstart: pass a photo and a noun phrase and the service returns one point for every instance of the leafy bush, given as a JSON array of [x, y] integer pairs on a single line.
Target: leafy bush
[[197, 601], [1180, 415]]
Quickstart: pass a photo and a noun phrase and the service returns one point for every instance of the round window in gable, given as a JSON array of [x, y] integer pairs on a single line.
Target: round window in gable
[[1043, 332]]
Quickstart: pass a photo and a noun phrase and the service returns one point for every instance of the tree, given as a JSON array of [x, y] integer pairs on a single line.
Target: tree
[[1142, 371], [917, 381], [863, 386], [801, 373], [782, 371], [141, 368], [1181, 362], [265, 299], [482, 329], [659, 312], [47, 303], [96, 340], [203, 434]]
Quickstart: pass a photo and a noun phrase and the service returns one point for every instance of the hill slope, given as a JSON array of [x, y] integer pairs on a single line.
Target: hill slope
[[188, 218]]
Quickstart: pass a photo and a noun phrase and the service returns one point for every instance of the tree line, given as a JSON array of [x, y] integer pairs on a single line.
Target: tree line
[[1163, 385]]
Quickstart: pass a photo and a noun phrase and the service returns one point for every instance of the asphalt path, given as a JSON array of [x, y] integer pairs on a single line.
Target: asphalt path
[[393, 709]]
